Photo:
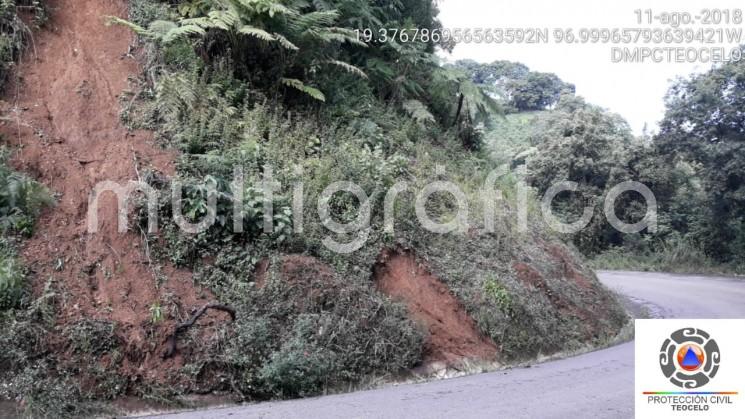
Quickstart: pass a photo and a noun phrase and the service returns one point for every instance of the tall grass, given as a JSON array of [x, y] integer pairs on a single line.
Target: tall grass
[[676, 255]]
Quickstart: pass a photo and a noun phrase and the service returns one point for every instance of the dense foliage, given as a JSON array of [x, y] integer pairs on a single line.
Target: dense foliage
[[21, 200], [705, 127], [299, 52], [516, 86], [583, 143], [693, 166], [14, 32]]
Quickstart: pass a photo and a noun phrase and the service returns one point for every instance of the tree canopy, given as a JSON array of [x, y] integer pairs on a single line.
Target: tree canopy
[[705, 125], [518, 87]]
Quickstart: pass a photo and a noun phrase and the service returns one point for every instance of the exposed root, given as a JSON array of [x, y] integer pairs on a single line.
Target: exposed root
[[172, 341]]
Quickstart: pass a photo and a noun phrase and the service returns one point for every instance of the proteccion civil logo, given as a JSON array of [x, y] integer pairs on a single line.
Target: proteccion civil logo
[[689, 368], [689, 358]]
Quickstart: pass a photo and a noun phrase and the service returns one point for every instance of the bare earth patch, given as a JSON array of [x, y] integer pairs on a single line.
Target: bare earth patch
[[68, 133], [453, 335]]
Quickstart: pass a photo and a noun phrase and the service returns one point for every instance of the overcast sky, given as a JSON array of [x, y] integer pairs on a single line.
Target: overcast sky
[[633, 90]]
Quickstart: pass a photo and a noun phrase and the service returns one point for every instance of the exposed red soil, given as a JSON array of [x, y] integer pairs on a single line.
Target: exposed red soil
[[66, 126], [453, 335], [567, 265]]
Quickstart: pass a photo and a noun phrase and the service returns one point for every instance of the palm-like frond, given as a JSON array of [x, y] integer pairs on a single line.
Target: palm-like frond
[[182, 31], [345, 35], [256, 32], [309, 20], [285, 42], [139, 30], [349, 68], [299, 85]]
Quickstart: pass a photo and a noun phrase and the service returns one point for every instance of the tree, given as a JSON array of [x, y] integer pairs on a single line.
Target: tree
[[517, 86], [583, 143], [538, 91], [705, 125]]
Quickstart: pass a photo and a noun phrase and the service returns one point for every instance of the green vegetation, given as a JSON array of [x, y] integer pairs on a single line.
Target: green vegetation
[[21, 200], [12, 279], [499, 294], [510, 139], [518, 88], [672, 255], [247, 85], [26, 324], [704, 128], [308, 330], [216, 87], [50, 381], [286, 85], [15, 33], [693, 167]]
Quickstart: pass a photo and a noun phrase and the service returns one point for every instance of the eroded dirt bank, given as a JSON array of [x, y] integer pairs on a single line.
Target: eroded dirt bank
[[453, 335], [65, 112]]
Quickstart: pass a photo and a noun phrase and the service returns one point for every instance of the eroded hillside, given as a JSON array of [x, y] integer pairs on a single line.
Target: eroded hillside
[[307, 318]]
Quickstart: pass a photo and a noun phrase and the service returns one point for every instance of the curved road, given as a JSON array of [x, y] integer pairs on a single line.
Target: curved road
[[599, 384]]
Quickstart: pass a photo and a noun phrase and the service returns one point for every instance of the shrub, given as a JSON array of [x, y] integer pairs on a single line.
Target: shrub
[[673, 254], [14, 33], [21, 199], [499, 294], [299, 368], [12, 281], [306, 328]]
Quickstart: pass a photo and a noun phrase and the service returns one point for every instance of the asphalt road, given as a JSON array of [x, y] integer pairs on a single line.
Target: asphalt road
[[599, 384]]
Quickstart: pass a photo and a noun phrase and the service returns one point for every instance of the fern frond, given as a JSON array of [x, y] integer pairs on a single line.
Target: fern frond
[[380, 68], [345, 35], [322, 18], [322, 5], [139, 30], [160, 28], [483, 103], [182, 31], [285, 42], [176, 94], [277, 8], [256, 32], [202, 22], [299, 85], [224, 19], [349, 68]]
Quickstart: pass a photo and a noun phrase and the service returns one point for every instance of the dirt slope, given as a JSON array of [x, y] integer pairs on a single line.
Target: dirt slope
[[453, 335], [70, 138]]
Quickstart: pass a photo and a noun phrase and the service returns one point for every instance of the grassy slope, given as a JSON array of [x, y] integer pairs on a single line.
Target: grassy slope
[[526, 292]]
